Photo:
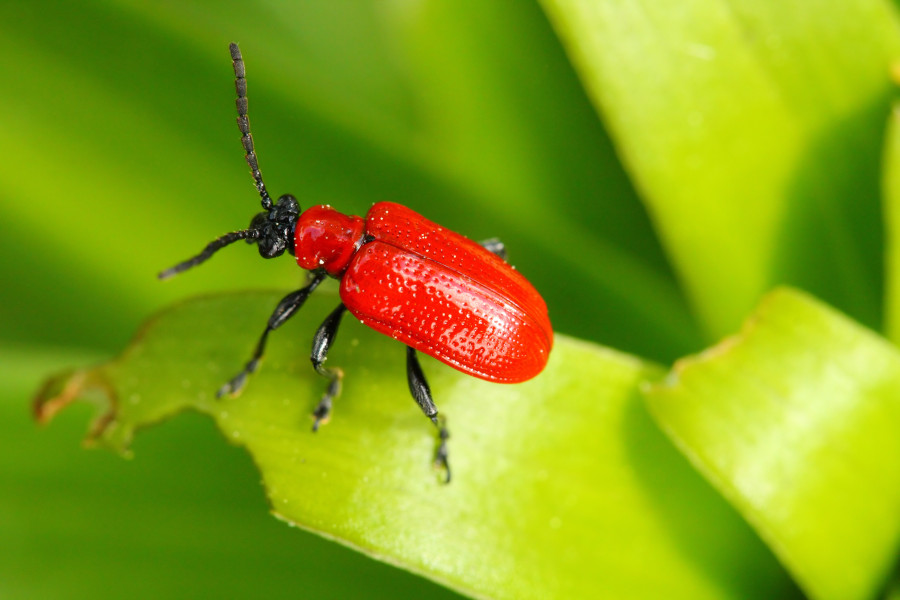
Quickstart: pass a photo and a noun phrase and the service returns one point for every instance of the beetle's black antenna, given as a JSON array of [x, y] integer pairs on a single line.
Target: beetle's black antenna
[[240, 85], [211, 248]]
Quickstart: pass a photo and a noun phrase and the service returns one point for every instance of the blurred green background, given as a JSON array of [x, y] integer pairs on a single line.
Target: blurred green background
[[753, 131], [122, 157]]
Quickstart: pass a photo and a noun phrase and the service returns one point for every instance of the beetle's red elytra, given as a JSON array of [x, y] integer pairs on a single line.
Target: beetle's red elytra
[[431, 289], [404, 276]]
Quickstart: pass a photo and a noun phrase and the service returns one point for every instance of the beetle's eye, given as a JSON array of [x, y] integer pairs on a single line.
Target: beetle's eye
[[271, 246], [259, 220], [288, 204]]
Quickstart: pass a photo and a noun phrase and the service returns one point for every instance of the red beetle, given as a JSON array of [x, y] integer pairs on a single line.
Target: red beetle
[[426, 286]]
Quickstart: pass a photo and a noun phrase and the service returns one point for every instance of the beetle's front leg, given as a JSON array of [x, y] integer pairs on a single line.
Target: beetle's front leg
[[322, 341], [284, 311], [421, 392]]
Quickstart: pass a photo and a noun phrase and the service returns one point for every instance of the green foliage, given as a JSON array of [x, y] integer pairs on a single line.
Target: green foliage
[[753, 130], [796, 421], [184, 519], [556, 478], [741, 142]]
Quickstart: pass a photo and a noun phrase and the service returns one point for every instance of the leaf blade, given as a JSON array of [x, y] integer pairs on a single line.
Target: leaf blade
[[795, 421], [563, 486]]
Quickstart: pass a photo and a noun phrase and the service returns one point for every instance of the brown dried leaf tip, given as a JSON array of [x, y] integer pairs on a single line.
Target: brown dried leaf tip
[[62, 389]]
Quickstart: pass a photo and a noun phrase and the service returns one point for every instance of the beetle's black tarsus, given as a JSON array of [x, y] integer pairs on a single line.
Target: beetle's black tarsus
[[284, 311], [325, 336], [421, 392], [441, 454], [494, 245]]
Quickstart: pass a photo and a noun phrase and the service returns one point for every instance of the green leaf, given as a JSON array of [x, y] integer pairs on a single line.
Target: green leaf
[[563, 486], [752, 130], [184, 519], [796, 421]]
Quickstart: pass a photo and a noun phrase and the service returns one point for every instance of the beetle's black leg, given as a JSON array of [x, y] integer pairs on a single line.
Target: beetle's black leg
[[494, 245], [284, 311], [421, 392], [311, 276], [321, 343]]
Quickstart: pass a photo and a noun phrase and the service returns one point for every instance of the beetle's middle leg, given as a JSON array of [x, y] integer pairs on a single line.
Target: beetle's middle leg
[[421, 392], [286, 309], [322, 341]]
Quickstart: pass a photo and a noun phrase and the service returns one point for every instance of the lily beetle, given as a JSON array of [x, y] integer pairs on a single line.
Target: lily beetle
[[402, 275]]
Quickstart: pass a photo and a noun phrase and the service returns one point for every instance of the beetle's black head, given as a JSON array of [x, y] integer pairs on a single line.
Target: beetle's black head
[[276, 227]]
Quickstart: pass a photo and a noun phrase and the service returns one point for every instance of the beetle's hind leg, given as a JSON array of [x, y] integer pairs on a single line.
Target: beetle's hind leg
[[494, 245], [322, 341], [286, 309], [421, 392]]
